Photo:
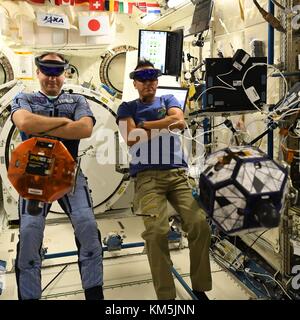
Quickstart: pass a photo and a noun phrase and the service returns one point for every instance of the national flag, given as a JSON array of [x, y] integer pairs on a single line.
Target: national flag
[[111, 5], [153, 8], [93, 26], [121, 7], [116, 6], [130, 5], [97, 5], [106, 5], [125, 6], [142, 6]]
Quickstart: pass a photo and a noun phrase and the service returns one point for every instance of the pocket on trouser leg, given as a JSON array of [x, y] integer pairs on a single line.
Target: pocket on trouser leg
[[144, 183], [189, 180], [146, 205], [145, 198], [149, 205]]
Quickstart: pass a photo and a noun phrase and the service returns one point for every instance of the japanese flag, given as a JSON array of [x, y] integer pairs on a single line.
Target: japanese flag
[[94, 26]]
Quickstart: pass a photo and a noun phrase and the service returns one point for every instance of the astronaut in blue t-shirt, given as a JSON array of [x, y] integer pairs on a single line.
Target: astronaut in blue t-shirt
[[68, 117], [158, 166]]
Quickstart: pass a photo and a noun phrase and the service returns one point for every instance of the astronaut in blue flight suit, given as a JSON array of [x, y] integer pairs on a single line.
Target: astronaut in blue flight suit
[[68, 117]]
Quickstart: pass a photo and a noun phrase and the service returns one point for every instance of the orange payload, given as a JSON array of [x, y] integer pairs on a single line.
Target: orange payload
[[42, 169]]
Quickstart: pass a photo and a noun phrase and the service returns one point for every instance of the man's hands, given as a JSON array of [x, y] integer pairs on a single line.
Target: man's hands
[[32, 123], [45, 133], [173, 120], [73, 130], [60, 127]]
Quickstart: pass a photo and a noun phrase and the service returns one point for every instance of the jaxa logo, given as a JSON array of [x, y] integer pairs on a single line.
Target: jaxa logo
[[53, 19], [296, 278]]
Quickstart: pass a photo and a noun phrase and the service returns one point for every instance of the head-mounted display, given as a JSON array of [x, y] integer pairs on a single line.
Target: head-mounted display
[[145, 74], [51, 67]]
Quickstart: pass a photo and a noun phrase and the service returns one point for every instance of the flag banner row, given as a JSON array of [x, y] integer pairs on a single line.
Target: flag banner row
[[60, 2], [106, 5], [123, 6]]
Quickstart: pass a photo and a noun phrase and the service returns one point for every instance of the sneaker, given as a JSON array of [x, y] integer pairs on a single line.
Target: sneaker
[[200, 295]]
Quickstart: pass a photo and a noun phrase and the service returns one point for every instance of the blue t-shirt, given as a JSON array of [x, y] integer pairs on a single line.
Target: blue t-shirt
[[72, 106], [161, 152]]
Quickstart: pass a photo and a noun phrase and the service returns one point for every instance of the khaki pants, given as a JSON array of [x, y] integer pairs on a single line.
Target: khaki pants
[[152, 190]]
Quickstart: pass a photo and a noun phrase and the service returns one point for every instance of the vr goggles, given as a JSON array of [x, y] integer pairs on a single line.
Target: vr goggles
[[145, 74], [51, 67]]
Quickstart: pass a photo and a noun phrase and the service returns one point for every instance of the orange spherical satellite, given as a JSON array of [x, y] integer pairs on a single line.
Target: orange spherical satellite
[[42, 169]]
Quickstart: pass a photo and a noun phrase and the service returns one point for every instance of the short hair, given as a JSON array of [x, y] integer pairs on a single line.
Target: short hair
[[53, 54], [144, 63]]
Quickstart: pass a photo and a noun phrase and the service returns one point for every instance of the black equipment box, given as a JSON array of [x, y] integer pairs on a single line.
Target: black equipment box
[[221, 73]]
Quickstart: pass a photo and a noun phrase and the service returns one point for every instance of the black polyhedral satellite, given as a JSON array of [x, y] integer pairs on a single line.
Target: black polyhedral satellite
[[242, 189]]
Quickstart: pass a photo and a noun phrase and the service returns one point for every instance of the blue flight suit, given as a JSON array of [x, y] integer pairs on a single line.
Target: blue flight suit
[[78, 206]]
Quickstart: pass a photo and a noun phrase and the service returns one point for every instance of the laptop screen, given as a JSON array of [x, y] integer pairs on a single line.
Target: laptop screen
[[153, 47], [179, 93], [163, 49]]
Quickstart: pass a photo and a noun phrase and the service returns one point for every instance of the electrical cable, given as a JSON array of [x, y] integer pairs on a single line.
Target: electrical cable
[[218, 125], [243, 86], [221, 260], [266, 290], [194, 138], [287, 150], [291, 134], [247, 270], [282, 108], [274, 22], [190, 137], [258, 237], [48, 284], [253, 243], [253, 121], [290, 111], [215, 87], [273, 278], [225, 74], [269, 66], [278, 4], [258, 289]]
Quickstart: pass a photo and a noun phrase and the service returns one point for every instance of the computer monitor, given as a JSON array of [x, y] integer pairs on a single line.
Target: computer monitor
[[201, 16], [220, 71], [163, 49], [181, 94]]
